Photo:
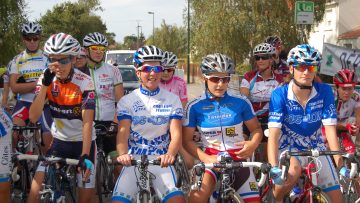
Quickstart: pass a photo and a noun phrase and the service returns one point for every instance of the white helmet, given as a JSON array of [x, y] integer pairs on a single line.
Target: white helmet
[[63, 44], [214, 63], [264, 48], [31, 28], [147, 53], [169, 60], [95, 38]]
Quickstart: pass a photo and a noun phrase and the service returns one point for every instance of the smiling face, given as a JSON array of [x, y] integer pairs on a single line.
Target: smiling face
[[151, 79], [168, 73]]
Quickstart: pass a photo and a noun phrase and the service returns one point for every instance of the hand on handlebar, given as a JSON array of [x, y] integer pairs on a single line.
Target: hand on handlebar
[[166, 160], [124, 159], [248, 148], [86, 166], [344, 172], [275, 174]]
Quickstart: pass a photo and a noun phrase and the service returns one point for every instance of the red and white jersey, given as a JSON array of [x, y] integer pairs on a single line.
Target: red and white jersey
[[346, 109], [177, 86], [260, 90]]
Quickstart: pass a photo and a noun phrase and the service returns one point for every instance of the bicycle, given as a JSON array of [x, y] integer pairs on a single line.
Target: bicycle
[[227, 193], [348, 184], [105, 180], [146, 193], [60, 178], [24, 170], [308, 181]]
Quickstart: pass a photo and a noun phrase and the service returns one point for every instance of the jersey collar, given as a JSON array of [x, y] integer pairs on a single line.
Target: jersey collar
[[147, 92], [95, 66], [291, 95]]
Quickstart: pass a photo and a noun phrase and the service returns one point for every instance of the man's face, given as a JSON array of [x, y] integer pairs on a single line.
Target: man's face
[[31, 42]]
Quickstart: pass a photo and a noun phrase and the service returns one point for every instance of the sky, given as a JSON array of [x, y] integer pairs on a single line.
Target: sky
[[122, 16]]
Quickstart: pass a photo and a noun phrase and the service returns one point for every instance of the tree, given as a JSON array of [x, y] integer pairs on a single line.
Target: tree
[[234, 27], [77, 19], [12, 15], [170, 38]]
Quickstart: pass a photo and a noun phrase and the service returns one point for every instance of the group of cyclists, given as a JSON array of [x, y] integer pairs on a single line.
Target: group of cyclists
[[70, 90]]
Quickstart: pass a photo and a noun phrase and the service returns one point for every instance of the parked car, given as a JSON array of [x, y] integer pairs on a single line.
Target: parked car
[[123, 59]]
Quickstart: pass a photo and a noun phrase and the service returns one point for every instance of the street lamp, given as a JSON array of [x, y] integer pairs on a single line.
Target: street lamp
[[153, 14]]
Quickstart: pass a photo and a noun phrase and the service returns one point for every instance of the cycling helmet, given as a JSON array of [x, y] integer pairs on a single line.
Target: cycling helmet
[[169, 60], [345, 78], [147, 53], [275, 41], [31, 28], [95, 38], [264, 48], [213, 63], [304, 54], [62, 43]]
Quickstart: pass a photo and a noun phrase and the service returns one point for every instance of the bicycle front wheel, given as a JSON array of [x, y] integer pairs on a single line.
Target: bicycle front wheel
[[100, 177]]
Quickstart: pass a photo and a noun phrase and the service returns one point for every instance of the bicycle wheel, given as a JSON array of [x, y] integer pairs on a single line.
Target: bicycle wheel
[[318, 197], [143, 197], [101, 175], [46, 198], [25, 181]]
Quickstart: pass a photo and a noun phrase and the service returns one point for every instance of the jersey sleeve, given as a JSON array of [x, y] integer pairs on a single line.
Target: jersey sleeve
[[88, 95], [12, 67], [247, 110], [245, 83], [329, 109], [117, 76], [39, 84], [190, 115], [177, 110], [183, 91], [123, 109], [276, 110]]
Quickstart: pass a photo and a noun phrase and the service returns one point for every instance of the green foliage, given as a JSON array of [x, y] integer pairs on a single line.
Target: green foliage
[[234, 27], [77, 19], [11, 17], [170, 38]]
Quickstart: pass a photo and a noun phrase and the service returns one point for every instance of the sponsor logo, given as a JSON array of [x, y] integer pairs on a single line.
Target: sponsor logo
[[6, 155], [253, 186], [230, 132], [208, 107], [138, 106], [55, 90], [77, 111], [91, 95]]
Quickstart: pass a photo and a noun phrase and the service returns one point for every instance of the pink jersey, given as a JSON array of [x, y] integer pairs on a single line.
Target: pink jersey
[[177, 86]]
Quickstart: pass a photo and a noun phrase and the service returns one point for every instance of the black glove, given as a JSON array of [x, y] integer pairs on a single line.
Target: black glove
[[113, 128], [21, 79], [48, 77]]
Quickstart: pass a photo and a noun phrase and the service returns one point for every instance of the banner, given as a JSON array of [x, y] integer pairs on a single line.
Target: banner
[[335, 58]]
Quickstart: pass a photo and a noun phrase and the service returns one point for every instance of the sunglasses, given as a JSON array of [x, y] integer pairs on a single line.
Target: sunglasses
[[97, 48], [34, 39], [148, 69], [62, 61], [217, 79], [310, 68], [263, 57], [169, 70]]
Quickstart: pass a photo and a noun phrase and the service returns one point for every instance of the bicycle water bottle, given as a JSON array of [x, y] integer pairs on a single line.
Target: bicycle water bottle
[[295, 193]]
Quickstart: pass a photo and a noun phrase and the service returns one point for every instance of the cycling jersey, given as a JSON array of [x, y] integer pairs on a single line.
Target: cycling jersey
[[301, 127], [177, 86], [66, 101], [281, 68], [220, 123], [105, 78], [346, 109], [30, 66], [150, 113], [5, 145], [260, 90]]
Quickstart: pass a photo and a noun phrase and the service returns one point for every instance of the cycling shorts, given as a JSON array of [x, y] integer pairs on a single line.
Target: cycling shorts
[[72, 150], [164, 184], [328, 179], [109, 142], [5, 162], [244, 183], [21, 111]]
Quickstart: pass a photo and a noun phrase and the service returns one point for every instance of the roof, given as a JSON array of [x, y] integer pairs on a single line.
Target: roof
[[353, 34]]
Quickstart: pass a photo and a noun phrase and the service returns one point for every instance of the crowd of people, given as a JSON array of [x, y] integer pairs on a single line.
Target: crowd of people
[[70, 90]]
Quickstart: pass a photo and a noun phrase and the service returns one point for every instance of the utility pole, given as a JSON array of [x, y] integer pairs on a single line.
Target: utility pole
[[138, 34], [188, 44]]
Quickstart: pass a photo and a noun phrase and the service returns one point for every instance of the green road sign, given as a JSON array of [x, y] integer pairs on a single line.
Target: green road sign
[[304, 12]]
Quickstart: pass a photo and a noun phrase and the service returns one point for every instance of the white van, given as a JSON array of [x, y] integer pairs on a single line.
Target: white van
[[121, 58]]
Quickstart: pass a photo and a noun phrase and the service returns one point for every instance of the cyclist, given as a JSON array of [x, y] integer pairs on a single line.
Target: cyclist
[[297, 111], [149, 123], [347, 102], [24, 73], [5, 153], [71, 98], [81, 60], [108, 85], [279, 64], [219, 118]]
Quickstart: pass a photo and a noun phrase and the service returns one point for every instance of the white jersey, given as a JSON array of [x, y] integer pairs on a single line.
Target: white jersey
[[29, 66], [150, 113], [346, 110], [105, 78]]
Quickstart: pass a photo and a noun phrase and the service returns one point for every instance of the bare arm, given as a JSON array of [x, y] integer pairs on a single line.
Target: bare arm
[[245, 91], [5, 95], [37, 106], [21, 87], [248, 147], [176, 136], [273, 146], [123, 136], [330, 131], [88, 117], [119, 92]]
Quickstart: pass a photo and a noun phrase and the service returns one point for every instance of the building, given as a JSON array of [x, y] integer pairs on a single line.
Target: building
[[340, 25]]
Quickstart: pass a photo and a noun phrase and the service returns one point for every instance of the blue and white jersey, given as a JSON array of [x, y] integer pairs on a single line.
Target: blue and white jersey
[[150, 113], [301, 127], [220, 122]]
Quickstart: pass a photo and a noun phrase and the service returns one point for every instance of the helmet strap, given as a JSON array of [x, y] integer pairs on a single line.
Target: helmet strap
[[303, 87], [68, 78]]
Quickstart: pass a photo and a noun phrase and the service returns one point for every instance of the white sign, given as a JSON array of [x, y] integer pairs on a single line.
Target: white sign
[[304, 12], [335, 58]]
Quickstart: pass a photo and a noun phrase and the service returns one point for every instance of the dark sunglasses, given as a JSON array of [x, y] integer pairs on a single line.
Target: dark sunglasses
[[62, 61], [303, 68], [169, 69], [217, 79], [263, 57], [29, 39], [148, 69]]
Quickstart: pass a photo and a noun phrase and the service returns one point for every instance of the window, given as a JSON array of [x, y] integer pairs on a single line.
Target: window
[[348, 45]]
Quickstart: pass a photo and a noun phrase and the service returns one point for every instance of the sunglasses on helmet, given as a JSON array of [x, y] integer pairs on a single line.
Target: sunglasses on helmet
[[148, 69]]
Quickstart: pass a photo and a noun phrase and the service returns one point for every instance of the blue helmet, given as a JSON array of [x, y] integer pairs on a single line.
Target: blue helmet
[[304, 54]]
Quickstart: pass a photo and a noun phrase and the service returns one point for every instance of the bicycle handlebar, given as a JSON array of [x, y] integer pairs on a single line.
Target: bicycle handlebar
[[19, 128], [139, 162], [46, 159]]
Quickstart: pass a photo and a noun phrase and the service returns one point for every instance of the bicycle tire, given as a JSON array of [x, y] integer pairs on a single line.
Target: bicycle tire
[[144, 197], [46, 199], [100, 178], [25, 182]]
